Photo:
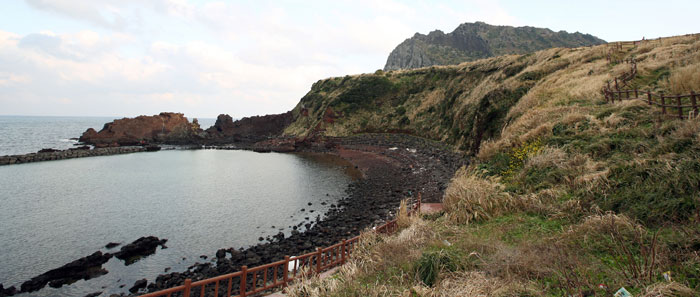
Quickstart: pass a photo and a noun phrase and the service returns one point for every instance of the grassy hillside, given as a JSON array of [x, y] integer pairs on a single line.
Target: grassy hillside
[[566, 194]]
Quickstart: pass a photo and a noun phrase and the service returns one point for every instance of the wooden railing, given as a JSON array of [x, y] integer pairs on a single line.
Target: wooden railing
[[676, 106], [252, 281], [680, 106]]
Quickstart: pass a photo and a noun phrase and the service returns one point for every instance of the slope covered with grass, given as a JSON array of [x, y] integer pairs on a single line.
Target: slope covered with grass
[[565, 195]]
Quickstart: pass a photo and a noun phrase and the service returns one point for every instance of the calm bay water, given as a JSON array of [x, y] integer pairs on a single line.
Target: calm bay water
[[58, 211], [28, 134]]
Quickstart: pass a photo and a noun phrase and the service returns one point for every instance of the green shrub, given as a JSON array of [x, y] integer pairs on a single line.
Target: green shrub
[[430, 264]]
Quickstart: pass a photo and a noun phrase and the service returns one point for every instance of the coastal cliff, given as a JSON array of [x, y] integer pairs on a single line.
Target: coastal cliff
[[249, 129], [473, 41], [166, 127]]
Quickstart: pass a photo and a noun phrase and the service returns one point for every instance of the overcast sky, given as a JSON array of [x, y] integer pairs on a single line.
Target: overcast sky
[[131, 57]]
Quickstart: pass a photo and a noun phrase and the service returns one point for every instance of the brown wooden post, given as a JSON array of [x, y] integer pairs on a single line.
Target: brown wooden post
[[318, 260], [649, 97], [663, 102], [285, 275], [244, 272], [612, 96], [342, 252], [693, 100], [680, 108], [188, 287], [616, 85], [636, 95]]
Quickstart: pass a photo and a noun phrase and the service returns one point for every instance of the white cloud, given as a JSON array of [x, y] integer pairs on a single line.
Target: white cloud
[[204, 58], [9, 79]]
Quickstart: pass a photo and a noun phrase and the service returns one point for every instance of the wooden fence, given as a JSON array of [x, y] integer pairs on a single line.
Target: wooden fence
[[680, 106], [252, 281], [675, 106]]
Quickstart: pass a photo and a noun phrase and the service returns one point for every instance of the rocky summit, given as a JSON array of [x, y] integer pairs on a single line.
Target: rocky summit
[[473, 41]]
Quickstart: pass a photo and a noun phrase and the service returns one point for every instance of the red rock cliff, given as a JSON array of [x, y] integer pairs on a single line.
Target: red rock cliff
[[165, 127], [251, 128]]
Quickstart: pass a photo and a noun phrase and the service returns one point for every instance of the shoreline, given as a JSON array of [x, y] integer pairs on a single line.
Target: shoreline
[[393, 167], [387, 168]]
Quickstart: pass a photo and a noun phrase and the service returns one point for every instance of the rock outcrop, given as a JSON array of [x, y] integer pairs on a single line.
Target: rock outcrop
[[472, 41], [141, 247], [80, 152], [83, 268], [249, 129], [166, 127]]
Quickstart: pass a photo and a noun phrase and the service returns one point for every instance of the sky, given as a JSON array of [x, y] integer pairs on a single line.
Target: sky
[[203, 58]]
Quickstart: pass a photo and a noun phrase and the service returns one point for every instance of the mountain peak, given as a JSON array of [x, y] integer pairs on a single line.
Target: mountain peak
[[478, 40]]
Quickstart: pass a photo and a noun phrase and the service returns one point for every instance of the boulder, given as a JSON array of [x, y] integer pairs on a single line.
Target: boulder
[[112, 245], [83, 268], [138, 285], [48, 150], [7, 292], [141, 247]]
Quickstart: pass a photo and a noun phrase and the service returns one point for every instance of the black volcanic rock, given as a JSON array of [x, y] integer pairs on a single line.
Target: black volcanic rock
[[473, 41], [143, 246], [7, 292], [112, 245], [83, 268], [139, 284]]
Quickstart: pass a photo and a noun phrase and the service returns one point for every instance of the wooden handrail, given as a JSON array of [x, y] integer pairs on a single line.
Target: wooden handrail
[[342, 250]]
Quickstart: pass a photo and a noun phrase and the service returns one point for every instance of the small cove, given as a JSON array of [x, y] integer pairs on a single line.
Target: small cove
[[200, 200]]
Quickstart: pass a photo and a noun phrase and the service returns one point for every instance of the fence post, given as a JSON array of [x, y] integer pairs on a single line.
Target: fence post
[[680, 108], [636, 95], [318, 260], [285, 276], [616, 86], [663, 102], [244, 272], [694, 102], [188, 287], [649, 97], [612, 96], [342, 252]]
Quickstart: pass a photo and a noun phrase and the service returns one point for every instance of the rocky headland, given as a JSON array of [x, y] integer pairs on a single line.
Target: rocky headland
[[472, 41]]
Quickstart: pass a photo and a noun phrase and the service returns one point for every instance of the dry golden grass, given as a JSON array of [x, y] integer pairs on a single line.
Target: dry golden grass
[[599, 224], [685, 79], [403, 219], [668, 289], [375, 252], [473, 283], [548, 157], [473, 198], [687, 129]]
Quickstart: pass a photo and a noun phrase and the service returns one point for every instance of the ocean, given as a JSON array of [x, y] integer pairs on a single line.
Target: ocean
[[29, 134], [200, 200]]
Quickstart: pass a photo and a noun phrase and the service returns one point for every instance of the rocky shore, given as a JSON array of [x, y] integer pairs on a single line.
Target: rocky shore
[[394, 167], [50, 155]]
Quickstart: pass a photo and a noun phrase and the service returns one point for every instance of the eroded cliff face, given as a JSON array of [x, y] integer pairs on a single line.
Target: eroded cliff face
[[166, 127], [472, 41], [250, 129], [461, 105]]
